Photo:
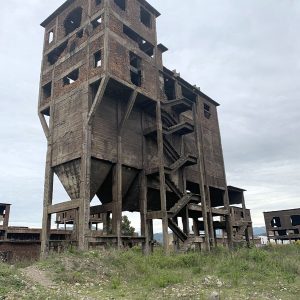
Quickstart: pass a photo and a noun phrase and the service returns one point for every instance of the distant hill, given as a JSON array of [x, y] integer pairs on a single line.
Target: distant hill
[[256, 230], [260, 231], [158, 237]]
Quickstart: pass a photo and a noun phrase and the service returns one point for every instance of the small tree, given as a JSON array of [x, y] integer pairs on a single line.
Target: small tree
[[126, 228]]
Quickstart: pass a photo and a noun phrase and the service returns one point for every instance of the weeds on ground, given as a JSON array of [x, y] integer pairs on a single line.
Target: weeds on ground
[[269, 272], [9, 279]]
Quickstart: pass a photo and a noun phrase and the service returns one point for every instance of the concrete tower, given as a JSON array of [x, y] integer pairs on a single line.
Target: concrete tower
[[126, 129]]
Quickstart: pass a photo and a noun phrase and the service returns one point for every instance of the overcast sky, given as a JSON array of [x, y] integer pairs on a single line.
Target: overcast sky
[[244, 54]]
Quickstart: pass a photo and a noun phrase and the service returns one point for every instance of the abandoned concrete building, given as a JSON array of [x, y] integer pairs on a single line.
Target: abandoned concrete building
[[123, 128], [18, 243], [283, 225]]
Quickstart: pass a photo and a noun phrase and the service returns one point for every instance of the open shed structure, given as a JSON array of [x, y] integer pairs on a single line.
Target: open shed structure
[[127, 130]]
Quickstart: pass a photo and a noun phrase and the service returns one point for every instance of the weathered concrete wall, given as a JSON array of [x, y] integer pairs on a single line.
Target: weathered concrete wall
[[283, 224], [20, 251]]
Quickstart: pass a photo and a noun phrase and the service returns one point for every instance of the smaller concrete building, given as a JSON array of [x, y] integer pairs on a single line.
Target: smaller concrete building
[[19, 243], [283, 225]]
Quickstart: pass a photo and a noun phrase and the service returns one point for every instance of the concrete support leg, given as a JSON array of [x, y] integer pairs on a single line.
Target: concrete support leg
[[200, 164], [185, 222], [143, 212], [165, 227], [48, 196], [175, 238], [196, 231], [210, 219], [228, 221], [150, 234], [106, 223], [117, 203]]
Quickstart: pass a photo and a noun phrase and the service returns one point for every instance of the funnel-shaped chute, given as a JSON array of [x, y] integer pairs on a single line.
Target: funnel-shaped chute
[[69, 175]]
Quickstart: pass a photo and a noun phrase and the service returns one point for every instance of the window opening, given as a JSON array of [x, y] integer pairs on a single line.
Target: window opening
[[97, 22], [54, 55], [282, 232], [71, 77], [192, 187], [46, 112], [135, 69], [295, 220], [207, 113], [121, 4], [188, 94], [94, 89], [73, 20], [145, 46], [275, 222], [47, 90], [73, 46], [169, 86], [80, 33], [97, 59], [51, 37], [145, 17]]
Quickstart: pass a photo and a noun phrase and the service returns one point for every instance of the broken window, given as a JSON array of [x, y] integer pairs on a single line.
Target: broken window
[[98, 2], [121, 4], [47, 90], [73, 46], [169, 86], [94, 89], [50, 37], [54, 55], [282, 232], [145, 17], [80, 33], [187, 93], [295, 220], [142, 43], [97, 59], [135, 69], [71, 77], [97, 22], [275, 222], [46, 112], [207, 113], [296, 231], [73, 20]]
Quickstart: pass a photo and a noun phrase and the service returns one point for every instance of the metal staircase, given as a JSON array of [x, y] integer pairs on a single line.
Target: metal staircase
[[178, 105], [239, 234], [170, 111], [179, 233], [182, 128]]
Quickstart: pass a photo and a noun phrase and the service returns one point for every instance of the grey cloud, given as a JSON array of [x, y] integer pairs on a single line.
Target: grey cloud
[[244, 54]]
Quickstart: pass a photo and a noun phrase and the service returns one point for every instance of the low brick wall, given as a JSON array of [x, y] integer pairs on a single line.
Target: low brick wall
[[12, 251]]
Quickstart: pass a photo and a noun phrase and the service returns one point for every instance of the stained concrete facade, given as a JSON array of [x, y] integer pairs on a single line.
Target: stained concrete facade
[[125, 129], [283, 225]]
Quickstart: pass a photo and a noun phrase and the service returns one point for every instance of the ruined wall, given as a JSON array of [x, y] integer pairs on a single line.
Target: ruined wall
[[20, 251], [237, 214], [284, 224]]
